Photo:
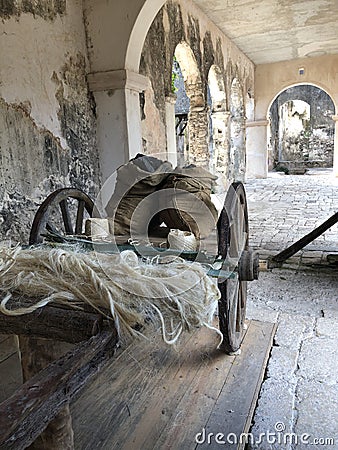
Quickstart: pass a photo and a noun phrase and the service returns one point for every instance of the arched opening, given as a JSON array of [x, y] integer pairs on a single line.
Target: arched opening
[[237, 157], [144, 19], [218, 121], [182, 108], [190, 109], [301, 131]]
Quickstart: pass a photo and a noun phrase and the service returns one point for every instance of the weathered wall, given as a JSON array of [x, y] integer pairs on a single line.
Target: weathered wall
[[270, 80], [177, 22], [313, 143], [47, 115]]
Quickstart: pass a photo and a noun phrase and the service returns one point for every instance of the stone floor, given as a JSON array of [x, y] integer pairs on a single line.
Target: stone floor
[[298, 402], [283, 208]]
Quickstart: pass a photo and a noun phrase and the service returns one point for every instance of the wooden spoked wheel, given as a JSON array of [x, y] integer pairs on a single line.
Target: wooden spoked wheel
[[233, 233], [64, 210]]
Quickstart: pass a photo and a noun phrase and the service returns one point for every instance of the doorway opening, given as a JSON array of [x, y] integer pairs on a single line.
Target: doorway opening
[[301, 130]]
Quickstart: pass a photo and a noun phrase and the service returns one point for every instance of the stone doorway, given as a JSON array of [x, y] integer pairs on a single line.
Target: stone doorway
[[301, 129]]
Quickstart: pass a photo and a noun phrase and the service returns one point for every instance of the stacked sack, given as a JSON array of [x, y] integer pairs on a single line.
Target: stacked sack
[[149, 192]]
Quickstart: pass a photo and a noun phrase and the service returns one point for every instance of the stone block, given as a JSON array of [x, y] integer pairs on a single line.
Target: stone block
[[327, 327], [275, 407], [291, 329], [282, 363], [317, 406], [318, 360]]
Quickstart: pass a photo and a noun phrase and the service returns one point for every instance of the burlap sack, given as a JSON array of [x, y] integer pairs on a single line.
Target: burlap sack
[[188, 201], [135, 181]]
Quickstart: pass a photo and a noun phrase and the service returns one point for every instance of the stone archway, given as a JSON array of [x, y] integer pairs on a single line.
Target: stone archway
[[301, 128], [218, 116], [237, 157], [197, 151], [118, 21]]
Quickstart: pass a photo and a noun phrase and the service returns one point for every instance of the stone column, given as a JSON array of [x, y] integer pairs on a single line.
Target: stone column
[[198, 138], [118, 117], [256, 149], [221, 133], [335, 147], [171, 129], [237, 159]]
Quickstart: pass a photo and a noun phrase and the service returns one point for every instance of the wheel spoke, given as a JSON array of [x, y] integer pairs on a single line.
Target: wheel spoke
[[47, 213], [66, 217]]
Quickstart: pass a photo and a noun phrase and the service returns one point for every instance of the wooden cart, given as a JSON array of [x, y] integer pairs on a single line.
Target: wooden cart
[[44, 398]]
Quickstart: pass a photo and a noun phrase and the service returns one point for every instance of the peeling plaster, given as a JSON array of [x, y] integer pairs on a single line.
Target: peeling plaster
[[46, 9], [32, 164], [33, 161], [77, 117]]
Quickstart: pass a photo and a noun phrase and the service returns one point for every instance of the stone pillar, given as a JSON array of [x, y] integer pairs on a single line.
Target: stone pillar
[[220, 137], [256, 149], [118, 116], [335, 147], [237, 160], [171, 129], [198, 138]]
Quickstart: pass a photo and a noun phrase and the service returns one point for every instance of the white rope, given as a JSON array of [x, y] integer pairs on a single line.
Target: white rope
[[178, 293]]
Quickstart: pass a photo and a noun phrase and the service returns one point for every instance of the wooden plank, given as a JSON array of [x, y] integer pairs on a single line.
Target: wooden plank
[[56, 323], [199, 397], [36, 355], [8, 347], [26, 413], [234, 407], [10, 369], [153, 397], [168, 405], [123, 391], [3, 337], [163, 403]]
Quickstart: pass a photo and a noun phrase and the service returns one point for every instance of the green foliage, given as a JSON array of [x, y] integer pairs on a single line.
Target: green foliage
[[174, 75]]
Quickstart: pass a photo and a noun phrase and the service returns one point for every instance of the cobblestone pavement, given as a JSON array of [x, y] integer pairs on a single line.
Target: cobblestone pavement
[[284, 208], [298, 402]]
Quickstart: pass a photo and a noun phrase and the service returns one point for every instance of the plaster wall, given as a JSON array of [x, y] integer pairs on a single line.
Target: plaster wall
[[271, 79], [47, 114]]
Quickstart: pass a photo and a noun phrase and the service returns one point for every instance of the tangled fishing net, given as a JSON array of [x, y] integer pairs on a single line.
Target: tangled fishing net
[[174, 295]]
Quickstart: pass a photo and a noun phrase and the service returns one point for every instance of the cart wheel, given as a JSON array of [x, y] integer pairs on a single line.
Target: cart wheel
[[233, 240], [56, 213]]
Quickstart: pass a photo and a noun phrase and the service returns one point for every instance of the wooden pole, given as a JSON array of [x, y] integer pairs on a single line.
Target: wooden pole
[[294, 248]]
